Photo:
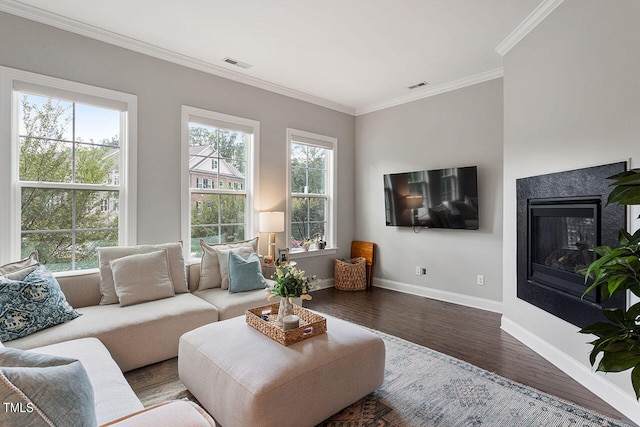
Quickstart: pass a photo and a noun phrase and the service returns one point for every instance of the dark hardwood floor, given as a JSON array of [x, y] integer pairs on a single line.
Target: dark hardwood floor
[[466, 333]]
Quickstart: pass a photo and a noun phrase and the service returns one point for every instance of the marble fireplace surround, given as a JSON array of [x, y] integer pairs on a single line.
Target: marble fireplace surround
[[587, 183]]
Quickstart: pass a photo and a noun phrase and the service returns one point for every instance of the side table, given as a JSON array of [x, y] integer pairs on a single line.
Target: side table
[[269, 269]]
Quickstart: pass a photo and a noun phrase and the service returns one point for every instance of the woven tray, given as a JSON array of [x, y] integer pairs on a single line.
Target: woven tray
[[311, 324]]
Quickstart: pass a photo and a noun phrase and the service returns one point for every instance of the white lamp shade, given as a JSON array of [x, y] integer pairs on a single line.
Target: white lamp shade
[[271, 222]]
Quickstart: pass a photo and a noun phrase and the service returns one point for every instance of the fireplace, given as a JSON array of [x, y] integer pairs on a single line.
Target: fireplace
[[561, 217], [562, 233]]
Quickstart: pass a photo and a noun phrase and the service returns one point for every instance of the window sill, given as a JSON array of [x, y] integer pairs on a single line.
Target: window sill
[[299, 254]]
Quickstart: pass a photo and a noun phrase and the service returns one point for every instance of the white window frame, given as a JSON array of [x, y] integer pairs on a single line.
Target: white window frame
[[10, 189], [252, 171], [330, 143]]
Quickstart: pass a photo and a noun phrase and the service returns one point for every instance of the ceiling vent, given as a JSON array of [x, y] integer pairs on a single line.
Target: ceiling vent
[[237, 63], [417, 85]]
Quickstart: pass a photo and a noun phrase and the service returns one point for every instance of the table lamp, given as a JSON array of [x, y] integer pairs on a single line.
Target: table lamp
[[272, 223]]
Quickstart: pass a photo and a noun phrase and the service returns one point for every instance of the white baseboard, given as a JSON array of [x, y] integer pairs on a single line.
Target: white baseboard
[[466, 300], [605, 390], [325, 283]]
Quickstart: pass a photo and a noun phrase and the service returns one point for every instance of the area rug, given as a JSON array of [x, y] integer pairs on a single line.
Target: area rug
[[422, 387]]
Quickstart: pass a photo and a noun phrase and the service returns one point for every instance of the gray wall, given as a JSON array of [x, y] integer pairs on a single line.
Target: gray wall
[[162, 88], [572, 99], [458, 128]]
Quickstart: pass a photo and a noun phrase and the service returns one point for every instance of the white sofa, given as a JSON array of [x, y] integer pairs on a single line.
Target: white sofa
[[140, 334], [136, 335]]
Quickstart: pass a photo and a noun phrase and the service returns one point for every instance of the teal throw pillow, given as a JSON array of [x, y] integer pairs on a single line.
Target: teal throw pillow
[[32, 304], [245, 274], [43, 390]]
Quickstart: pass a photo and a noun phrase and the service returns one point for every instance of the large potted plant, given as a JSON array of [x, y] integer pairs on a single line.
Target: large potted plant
[[618, 270]]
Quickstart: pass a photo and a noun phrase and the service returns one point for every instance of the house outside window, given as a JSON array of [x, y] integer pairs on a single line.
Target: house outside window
[[217, 148], [72, 145], [311, 183]]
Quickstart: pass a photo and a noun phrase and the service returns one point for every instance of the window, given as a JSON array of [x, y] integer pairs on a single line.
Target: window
[[67, 174], [199, 183], [311, 177], [222, 148]]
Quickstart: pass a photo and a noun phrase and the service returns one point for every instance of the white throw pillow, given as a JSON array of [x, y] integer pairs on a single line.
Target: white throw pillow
[[142, 277], [106, 255], [210, 274], [18, 270]]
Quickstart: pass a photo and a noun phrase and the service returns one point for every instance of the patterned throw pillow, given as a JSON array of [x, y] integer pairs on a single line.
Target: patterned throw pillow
[[31, 304]]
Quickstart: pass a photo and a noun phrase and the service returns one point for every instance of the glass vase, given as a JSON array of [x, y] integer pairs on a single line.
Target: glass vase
[[285, 309]]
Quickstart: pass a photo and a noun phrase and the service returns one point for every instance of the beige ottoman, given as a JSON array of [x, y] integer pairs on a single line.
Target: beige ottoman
[[244, 378]]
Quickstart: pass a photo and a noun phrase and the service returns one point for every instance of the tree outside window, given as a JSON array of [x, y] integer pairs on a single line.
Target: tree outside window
[[217, 155], [68, 179], [311, 190]]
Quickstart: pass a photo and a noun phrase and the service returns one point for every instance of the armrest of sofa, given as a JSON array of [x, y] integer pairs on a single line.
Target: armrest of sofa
[[172, 413]]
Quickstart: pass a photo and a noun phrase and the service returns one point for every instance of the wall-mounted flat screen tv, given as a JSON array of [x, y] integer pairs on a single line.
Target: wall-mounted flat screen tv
[[439, 198]]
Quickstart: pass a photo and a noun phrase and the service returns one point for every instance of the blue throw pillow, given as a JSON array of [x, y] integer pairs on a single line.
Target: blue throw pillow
[[31, 304], [245, 274], [35, 387]]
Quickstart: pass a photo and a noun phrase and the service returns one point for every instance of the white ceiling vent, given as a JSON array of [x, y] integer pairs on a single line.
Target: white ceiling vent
[[417, 85], [237, 63]]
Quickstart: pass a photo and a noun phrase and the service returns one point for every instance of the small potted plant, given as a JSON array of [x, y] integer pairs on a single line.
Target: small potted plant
[[290, 283], [306, 244]]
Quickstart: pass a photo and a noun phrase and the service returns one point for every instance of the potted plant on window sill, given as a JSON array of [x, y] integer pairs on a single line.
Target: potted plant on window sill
[[618, 270]]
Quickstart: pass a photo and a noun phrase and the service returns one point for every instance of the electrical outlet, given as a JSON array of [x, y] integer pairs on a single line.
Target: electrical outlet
[[418, 271], [424, 271], [480, 280]]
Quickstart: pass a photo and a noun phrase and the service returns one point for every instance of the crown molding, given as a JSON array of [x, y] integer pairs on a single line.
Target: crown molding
[[71, 25], [432, 91], [536, 17]]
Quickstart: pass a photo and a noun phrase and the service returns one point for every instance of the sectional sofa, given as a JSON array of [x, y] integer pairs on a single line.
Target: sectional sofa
[[113, 338], [141, 334]]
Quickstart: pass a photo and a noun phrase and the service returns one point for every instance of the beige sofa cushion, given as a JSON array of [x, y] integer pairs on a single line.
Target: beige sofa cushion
[[106, 255], [210, 270], [142, 277], [232, 305], [137, 335]]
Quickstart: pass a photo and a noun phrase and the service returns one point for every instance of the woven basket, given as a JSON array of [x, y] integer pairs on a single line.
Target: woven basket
[[350, 276]]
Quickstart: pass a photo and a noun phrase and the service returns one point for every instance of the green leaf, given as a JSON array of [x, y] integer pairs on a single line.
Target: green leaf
[[632, 178], [634, 311], [624, 237], [635, 380], [615, 315], [617, 195], [618, 361], [623, 174], [631, 197], [600, 329]]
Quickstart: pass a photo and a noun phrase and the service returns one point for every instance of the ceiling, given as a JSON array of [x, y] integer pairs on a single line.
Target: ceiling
[[353, 56]]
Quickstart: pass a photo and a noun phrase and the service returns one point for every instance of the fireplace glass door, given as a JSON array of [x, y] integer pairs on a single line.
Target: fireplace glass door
[[562, 235]]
